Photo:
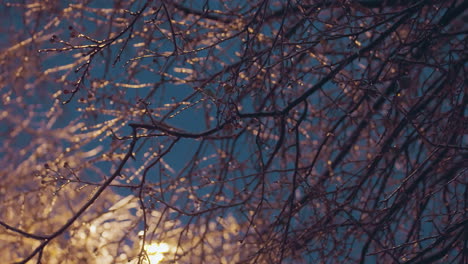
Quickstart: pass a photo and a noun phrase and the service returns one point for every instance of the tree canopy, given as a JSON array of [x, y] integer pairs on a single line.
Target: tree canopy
[[279, 131]]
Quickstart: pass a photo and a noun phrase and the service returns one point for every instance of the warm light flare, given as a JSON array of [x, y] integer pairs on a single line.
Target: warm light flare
[[156, 252]]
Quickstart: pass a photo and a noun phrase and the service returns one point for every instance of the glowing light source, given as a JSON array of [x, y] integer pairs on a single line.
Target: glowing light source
[[156, 251]]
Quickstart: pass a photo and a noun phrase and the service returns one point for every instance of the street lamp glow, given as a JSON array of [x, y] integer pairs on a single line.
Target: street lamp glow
[[156, 251]]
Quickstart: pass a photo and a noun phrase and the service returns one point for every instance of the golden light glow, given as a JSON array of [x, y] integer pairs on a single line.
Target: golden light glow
[[156, 251]]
